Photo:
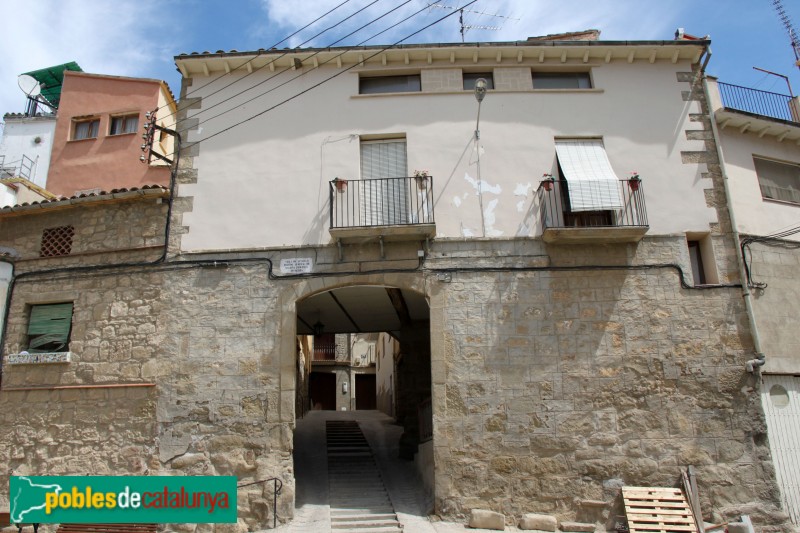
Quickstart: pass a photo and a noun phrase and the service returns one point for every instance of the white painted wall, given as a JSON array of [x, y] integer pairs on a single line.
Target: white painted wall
[[18, 139], [754, 214], [265, 182]]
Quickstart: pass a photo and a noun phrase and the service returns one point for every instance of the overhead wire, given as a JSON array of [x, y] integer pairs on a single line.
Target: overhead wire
[[343, 71], [263, 51], [260, 53], [305, 59], [778, 238]]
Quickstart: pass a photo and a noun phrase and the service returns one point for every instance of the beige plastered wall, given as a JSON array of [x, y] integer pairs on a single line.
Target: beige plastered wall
[[293, 151]]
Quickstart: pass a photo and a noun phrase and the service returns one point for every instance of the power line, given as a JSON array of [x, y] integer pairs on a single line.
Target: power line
[[288, 68], [330, 77], [261, 52]]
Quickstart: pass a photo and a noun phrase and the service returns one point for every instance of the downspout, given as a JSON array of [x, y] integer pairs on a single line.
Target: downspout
[[4, 324], [753, 364]]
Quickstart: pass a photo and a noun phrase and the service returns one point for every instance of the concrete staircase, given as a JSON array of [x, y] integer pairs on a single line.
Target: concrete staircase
[[358, 498]]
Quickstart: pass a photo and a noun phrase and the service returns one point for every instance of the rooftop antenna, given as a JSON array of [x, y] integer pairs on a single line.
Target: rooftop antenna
[[787, 23], [464, 28]]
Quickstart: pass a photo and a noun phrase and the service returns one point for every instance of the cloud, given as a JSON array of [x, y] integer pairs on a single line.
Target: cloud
[[124, 37]]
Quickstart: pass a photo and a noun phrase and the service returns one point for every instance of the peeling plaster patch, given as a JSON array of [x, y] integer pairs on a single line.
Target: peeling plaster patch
[[457, 201], [523, 231], [466, 232], [522, 189], [490, 219], [484, 187], [521, 206]]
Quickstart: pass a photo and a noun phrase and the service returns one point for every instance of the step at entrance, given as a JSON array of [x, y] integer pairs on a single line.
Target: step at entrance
[[358, 497]]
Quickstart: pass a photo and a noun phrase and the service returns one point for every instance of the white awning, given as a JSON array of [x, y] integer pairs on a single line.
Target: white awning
[[591, 181]]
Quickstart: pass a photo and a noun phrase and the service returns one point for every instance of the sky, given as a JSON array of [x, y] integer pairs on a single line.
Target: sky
[[141, 37]]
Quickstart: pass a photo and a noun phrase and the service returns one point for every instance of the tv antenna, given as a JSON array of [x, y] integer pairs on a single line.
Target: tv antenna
[[787, 23], [464, 28]]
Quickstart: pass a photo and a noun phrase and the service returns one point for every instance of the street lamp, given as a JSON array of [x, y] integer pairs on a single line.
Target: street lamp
[[480, 93]]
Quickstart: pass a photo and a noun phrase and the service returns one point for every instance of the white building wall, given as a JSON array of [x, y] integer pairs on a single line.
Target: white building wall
[[20, 138], [265, 182], [754, 214]]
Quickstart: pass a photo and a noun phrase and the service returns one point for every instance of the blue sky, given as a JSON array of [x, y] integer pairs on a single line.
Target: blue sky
[[140, 37]]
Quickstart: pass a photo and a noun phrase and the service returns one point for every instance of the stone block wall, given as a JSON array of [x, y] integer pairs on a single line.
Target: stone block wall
[[513, 79], [99, 229], [560, 386], [777, 305], [441, 80]]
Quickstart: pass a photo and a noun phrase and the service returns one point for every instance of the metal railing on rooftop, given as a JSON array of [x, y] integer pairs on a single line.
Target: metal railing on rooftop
[[381, 202], [20, 168], [601, 203], [758, 102]]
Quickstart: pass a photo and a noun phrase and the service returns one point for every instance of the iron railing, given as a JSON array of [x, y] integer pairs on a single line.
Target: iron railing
[[381, 202], [758, 102], [276, 489], [606, 203], [22, 168]]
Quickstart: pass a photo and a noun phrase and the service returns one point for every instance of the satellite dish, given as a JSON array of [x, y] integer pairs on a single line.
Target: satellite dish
[[29, 85]]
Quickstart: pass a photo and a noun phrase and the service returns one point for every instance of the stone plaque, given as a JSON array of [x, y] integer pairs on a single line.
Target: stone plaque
[[297, 265], [26, 358]]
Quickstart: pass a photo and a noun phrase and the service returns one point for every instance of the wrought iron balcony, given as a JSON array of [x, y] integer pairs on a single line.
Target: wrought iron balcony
[[395, 208], [757, 102], [598, 211]]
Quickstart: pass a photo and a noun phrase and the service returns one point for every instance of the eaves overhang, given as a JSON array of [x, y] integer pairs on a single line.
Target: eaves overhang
[[761, 125], [510, 52], [92, 199]]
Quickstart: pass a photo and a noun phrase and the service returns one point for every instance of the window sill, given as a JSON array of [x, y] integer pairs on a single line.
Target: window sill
[[82, 140], [38, 358], [121, 134], [782, 202], [491, 92]]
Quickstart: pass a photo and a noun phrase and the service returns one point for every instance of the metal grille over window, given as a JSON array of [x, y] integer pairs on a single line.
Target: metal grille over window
[[57, 241]]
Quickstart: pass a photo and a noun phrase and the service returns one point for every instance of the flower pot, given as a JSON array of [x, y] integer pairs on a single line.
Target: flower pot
[[634, 183], [547, 185], [341, 185], [422, 182]]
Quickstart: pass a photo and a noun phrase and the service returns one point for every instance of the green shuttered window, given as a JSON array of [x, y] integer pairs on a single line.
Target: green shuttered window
[[49, 328]]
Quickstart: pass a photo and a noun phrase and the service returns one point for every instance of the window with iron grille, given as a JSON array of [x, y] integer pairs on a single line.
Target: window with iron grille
[[57, 241]]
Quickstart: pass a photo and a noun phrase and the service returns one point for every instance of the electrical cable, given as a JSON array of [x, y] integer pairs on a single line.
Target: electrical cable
[[263, 51], [304, 72], [343, 71], [284, 54], [774, 239]]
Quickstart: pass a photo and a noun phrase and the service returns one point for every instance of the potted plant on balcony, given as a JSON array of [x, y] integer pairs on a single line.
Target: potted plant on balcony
[[341, 185], [422, 178], [547, 182], [634, 181]]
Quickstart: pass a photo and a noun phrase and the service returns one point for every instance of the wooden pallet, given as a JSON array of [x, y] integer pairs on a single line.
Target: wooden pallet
[[107, 528], [657, 510]]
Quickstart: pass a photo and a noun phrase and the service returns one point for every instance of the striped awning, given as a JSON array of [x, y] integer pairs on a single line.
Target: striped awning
[[591, 181]]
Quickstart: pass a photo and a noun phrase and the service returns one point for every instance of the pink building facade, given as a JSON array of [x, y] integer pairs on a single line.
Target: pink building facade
[[97, 142]]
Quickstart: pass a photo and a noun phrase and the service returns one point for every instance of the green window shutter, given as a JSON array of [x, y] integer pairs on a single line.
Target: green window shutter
[[50, 325]]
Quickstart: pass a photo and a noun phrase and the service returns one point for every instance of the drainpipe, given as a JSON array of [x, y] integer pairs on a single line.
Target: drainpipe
[[753, 364]]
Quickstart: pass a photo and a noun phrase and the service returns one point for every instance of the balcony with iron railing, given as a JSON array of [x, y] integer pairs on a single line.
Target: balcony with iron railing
[[389, 208], [759, 103], [592, 211]]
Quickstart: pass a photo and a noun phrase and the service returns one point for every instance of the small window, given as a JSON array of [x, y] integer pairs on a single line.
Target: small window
[[561, 80], [57, 241], [696, 257], [86, 129], [778, 181], [49, 328], [123, 125], [390, 84], [471, 77], [701, 257]]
